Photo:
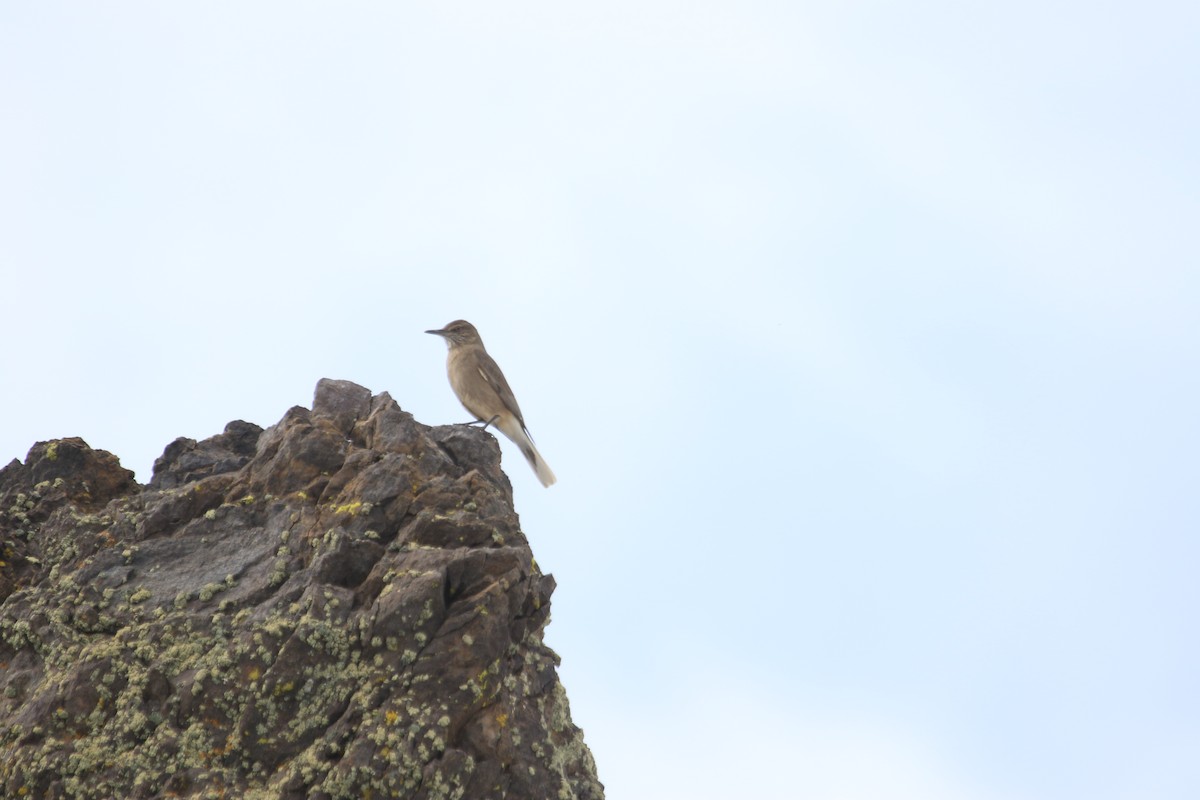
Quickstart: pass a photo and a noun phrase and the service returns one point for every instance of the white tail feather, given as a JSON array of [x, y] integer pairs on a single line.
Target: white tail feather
[[544, 473]]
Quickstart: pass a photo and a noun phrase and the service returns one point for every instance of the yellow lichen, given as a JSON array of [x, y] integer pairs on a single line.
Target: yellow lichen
[[352, 508]]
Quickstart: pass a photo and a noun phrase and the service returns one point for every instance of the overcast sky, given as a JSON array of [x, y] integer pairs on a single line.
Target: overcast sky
[[863, 339]]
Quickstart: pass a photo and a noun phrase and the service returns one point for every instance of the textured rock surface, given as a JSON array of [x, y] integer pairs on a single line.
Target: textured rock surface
[[342, 605]]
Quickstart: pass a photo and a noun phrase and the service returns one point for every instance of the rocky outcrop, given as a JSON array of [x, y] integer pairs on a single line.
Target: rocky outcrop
[[340, 606]]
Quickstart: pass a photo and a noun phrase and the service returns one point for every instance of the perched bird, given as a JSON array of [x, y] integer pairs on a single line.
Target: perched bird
[[481, 388]]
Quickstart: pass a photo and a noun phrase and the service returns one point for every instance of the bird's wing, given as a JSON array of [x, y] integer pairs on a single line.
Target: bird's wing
[[491, 373]]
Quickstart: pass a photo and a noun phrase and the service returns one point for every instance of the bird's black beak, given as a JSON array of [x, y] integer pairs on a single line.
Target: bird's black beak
[[437, 333]]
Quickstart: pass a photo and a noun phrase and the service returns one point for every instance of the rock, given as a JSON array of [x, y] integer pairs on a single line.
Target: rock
[[340, 606], [186, 460], [342, 402]]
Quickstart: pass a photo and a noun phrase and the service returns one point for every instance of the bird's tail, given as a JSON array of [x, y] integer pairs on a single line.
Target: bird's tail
[[544, 473], [521, 438]]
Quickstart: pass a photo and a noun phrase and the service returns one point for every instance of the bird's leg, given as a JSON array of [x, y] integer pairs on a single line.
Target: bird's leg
[[482, 422]]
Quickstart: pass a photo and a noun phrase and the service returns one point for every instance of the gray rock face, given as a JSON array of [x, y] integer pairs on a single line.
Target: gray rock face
[[340, 606]]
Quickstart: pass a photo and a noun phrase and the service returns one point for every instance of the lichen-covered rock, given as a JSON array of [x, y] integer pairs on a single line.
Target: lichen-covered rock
[[340, 606]]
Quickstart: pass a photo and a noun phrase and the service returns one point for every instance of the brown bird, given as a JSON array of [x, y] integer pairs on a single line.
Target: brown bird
[[483, 391]]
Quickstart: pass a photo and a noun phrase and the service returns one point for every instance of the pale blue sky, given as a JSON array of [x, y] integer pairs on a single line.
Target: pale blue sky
[[862, 338]]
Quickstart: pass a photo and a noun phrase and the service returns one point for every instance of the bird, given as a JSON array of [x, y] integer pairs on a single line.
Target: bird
[[480, 386]]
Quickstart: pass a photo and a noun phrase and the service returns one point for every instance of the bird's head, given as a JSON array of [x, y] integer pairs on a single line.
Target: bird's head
[[459, 332]]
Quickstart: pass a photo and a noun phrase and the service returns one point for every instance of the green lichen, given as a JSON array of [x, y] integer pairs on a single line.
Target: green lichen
[[278, 572]]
